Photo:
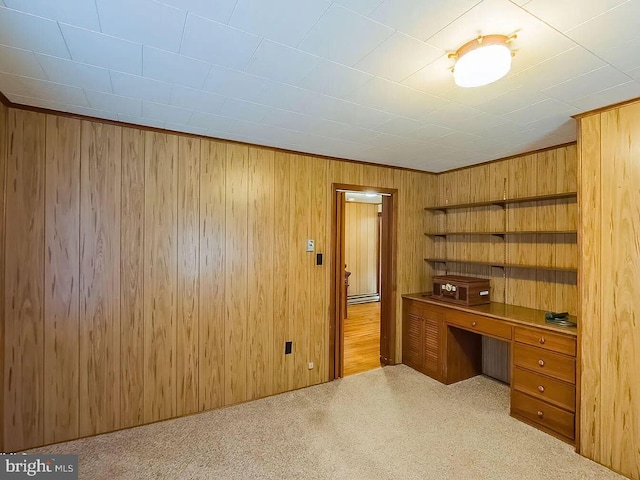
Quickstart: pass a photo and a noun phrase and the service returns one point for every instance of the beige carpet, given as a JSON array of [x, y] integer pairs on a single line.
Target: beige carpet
[[390, 423]]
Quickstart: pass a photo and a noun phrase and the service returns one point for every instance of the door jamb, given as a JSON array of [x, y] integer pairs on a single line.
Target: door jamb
[[388, 294]]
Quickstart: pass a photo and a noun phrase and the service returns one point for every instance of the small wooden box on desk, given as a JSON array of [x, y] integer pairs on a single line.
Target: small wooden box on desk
[[444, 341]]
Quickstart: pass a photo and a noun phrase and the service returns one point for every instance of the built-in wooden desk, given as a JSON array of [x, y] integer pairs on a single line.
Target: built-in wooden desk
[[444, 341]]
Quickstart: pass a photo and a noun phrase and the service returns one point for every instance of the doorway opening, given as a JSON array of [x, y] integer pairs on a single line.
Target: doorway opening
[[363, 320]]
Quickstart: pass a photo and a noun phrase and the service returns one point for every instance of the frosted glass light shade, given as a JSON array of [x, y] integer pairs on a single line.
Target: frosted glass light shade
[[482, 62]]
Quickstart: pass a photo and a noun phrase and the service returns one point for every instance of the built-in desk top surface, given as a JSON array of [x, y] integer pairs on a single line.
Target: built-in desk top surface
[[502, 311]]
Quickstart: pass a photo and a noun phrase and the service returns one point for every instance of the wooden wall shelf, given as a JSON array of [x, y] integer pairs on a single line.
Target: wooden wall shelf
[[503, 203], [501, 265]]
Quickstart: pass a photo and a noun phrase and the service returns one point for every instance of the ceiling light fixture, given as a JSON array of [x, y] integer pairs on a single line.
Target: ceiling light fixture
[[482, 60]]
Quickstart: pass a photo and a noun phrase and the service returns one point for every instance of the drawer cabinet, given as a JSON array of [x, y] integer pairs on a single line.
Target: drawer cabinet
[[544, 414], [546, 340], [446, 344], [562, 367], [543, 390]]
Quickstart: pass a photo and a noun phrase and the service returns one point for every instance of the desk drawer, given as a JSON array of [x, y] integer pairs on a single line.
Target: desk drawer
[[480, 324], [413, 307], [542, 413], [544, 388], [545, 339], [545, 362], [422, 309]]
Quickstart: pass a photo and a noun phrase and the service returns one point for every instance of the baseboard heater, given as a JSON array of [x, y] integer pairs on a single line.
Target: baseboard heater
[[366, 298]]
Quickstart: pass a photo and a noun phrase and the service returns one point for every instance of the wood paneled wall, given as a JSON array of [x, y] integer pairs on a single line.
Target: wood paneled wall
[[3, 230], [362, 241], [149, 275], [547, 172], [609, 330]]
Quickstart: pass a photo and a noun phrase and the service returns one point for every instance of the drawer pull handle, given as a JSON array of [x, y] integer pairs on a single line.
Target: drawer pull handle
[[541, 340], [541, 363], [473, 324], [540, 388], [540, 414]]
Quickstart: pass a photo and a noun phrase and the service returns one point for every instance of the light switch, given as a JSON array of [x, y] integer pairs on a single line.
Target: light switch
[[310, 245]]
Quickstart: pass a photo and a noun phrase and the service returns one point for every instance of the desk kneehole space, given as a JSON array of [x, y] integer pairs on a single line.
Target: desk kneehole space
[[444, 341]]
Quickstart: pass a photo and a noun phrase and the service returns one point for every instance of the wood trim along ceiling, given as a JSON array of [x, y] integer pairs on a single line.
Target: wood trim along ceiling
[[30, 108], [607, 108], [6, 102], [10, 104], [510, 157]]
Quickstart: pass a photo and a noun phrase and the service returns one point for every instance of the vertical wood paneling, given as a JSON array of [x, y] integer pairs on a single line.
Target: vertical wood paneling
[[566, 211], [416, 187], [568, 181], [480, 187], [4, 133], [590, 286], [260, 273], [212, 274], [566, 294], [545, 291], [361, 247], [132, 279], [461, 192], [351, 234], [236, 270], [609, 332], [620, 253], [188, 275], [464, 220], [411, 275], [300, 262], [498, 173], [430, 187], [160, 275], [522, 181], [282, 364], [24, 274], [100, 186], [528, 175], [566, 215], [191, 273], [62, 282], [318, 333], [346, 172], [546, 183], [372, 176]]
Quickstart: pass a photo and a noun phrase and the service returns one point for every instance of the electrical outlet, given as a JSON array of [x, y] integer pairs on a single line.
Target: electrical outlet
[[311, 245], [310, 365]]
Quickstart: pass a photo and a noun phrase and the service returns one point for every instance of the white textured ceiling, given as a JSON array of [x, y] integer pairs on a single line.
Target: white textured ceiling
[[360, 79]]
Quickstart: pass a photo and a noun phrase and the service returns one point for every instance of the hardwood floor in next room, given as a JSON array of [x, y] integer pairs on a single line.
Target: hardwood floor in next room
[[362, 338]]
